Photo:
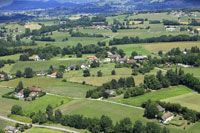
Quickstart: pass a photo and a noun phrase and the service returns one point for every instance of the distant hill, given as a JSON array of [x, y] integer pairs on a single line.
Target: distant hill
[[27, 5], [99, 5]]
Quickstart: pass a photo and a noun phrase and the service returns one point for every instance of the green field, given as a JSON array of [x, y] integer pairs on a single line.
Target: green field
[[43, 102], [42, 130], [165, 47], [157, 95], [43, 65], [92, 108], [190, 100], [21, 118], [36, 81], [6, 104], [4, 123], [69, 89]]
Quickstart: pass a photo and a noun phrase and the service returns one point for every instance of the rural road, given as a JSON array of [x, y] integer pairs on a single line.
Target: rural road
[[161, 69], [41, 126]]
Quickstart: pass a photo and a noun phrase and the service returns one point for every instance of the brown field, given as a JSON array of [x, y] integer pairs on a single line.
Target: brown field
[[155, 47], [32, 26]]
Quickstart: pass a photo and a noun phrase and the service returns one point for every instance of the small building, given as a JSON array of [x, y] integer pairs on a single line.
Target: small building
[[167, 117], [131, 61], [171, 29], [168, 64], [33, 94], [53, 75], [20, 94], [84, 67], [140, 57], [160, 108], [93, 58], [1, 76], [11, 129], [109, 54], [110, 92], [73, 67], [107, 60], [41, 73], [10, 76], [32, 89], [115, 57], [37, 58]]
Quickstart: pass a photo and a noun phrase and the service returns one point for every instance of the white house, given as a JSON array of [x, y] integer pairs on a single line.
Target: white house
[[140, 57], [37, 58], [167, 117]]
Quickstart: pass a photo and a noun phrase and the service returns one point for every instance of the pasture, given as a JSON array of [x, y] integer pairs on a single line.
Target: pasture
[[33, 26], [6, 104], [4, 123], [91, 108], [42, 130], [165, 47], [36, 81], [156, 95], [69, 89], [43, 102], [190, 100], [43, 65]]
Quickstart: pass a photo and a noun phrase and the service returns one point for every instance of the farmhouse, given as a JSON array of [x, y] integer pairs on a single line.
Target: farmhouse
[[167, 117], [1, 76], [171, 29], [53, 75], [160, 108], [131, 61], [20, 94], [84, 67], [11, 129], [41, 73], [32, 89], [140, 57], [37, 58], [115, 57], [110, 92], [93, 58]]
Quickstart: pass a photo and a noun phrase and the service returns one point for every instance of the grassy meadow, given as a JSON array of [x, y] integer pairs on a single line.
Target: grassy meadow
[[90, 108], [190, 100], [69, 89], [43, 102], [156, 95]]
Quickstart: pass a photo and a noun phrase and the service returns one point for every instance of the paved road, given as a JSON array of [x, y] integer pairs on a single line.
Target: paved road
[[161, 69], [41, 126], [118, 103]]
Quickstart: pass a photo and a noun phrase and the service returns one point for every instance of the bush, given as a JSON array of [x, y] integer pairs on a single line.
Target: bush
[[16, 110], [9, 96], [83, 82], [64, 80]]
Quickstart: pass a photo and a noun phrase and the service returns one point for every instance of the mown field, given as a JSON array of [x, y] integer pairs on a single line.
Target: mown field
[[156, 95], [4, 123], [69, 89], [190, 100], [43, 65], [92, 109], [36, 81], [42, 130], [43, 102], [6, 104]]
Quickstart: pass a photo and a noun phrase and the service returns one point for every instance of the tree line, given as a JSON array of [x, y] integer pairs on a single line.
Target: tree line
[[94, 125], [163, 38]]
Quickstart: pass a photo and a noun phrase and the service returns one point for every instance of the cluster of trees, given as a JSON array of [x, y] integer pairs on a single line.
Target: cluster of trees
[[11, 43], [170, 22], [194, 22], [94, 125], [79, 34], [3, 62], [163, 38], [188, 57], [154, 22], [43, 38], [135, 91], [113, 84], [145, 68], [99, 18]]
